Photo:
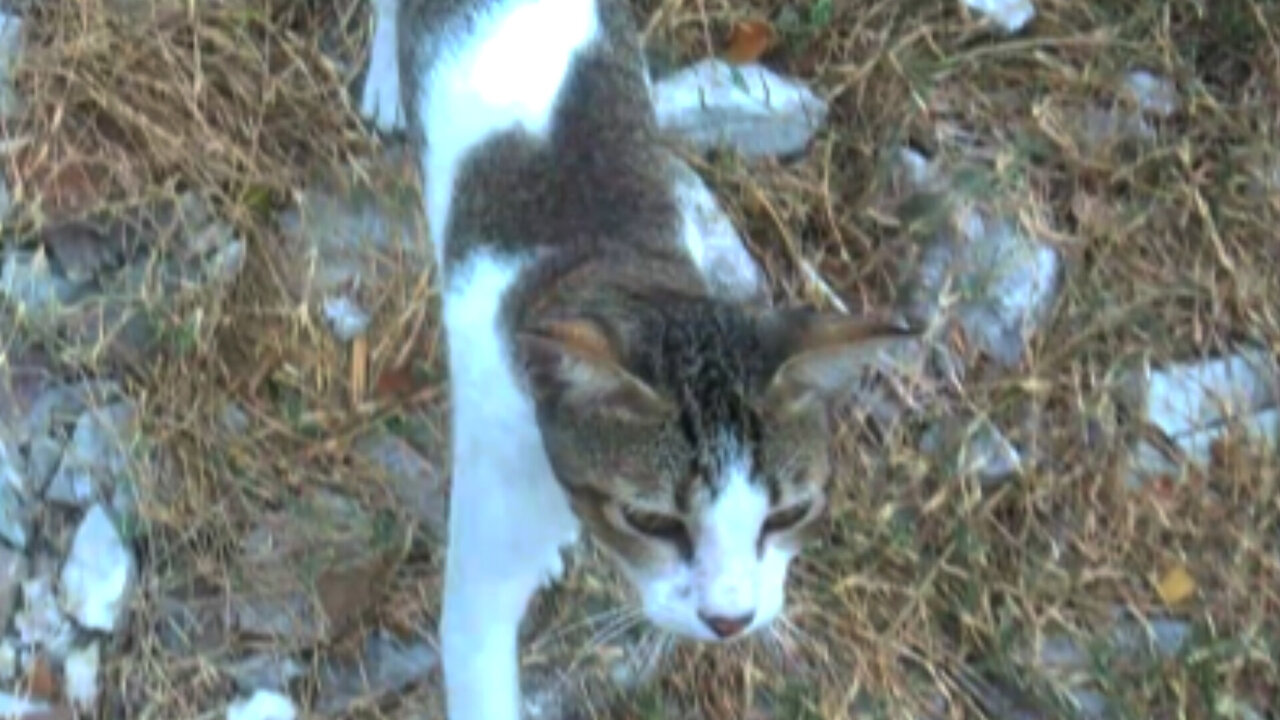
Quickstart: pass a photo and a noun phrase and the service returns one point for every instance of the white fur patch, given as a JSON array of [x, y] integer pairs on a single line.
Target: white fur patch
[[508, 518], [507, 73], [728, 577]]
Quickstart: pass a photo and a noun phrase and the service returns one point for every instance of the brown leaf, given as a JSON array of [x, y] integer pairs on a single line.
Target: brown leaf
[[41, 682], [748, 40], [395, 383]]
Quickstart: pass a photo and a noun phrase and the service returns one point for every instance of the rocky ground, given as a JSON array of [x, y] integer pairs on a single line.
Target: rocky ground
[[221, 402]]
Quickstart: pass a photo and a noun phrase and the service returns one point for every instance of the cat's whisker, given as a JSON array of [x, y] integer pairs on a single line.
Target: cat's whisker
[[604, 617]]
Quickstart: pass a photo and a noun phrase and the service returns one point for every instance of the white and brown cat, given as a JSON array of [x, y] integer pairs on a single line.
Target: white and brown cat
[[597, 379]]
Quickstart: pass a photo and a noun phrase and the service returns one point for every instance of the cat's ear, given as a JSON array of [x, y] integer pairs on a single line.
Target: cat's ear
[[574, 364], [824, 357]]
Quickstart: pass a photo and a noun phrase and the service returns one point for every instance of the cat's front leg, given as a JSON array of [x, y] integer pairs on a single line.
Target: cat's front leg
[[380, 97], [504, 542]]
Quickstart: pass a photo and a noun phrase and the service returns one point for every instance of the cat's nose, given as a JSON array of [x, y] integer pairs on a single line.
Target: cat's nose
[[727, 627]]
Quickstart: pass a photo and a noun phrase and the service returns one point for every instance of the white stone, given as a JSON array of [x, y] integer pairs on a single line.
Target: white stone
[[747, 107], [8, 660], [346, 319], [80, 673], [13, 706], [1011, 15], [40, 622], [1196, 446], [97, 580], [262, 705], [1154, 94], [713, 240], [1191, 396]]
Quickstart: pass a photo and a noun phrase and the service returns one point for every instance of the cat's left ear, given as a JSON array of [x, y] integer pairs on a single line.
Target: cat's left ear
[[575, 364], [824, 356]]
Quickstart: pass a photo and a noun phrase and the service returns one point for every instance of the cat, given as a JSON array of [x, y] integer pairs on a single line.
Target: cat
[[597, 379]]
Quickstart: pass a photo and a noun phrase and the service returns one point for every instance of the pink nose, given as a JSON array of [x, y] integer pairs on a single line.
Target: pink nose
[[726, 627]]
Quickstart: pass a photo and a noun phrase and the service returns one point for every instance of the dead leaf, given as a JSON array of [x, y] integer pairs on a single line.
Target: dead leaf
[[41, 682], [1176, 585], [395, 383], [748, 40]]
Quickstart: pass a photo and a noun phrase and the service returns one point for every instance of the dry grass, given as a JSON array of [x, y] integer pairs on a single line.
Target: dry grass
[[929, 590]]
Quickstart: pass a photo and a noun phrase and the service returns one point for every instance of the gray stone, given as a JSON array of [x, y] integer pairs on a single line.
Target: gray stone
[[10, 45], [96, 457], [15, 517], [43, 456], [418, 485], [13, 572], [386, 666], [748, 108], [980, 449], [265, 672], [978, 268], [27, 281], [40, 624], [98, 579]]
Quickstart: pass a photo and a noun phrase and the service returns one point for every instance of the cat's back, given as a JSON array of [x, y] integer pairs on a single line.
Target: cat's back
[[536, 126]]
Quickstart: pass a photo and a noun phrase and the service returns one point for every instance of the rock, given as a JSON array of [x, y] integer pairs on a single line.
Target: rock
[[96, 457], [97, 581], [56, 405], [10, 45], [975, 449], [15, 517], [748, 107], [713, 241], [40, 624], [13, 572], [339, 231], [1011, 15], [309, 572], [13, 707], [1153, 94], [44, 454], [80, 677], [1195, 403], [265, 672], [28, 282], [978, 269], [12, 474], [346, 318], [8, 660], [386, 666], [418, 485], [262, 705]]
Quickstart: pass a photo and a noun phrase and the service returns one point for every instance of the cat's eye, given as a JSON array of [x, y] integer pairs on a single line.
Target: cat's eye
[[787, 518], [654, 524]]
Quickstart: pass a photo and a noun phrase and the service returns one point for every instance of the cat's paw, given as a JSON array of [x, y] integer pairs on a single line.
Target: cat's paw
[[380, 97]]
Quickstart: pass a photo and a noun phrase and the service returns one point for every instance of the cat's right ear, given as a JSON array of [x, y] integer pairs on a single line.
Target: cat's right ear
[[573, 365]]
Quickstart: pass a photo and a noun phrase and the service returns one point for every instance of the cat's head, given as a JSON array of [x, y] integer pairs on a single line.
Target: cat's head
[[695, 446]]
